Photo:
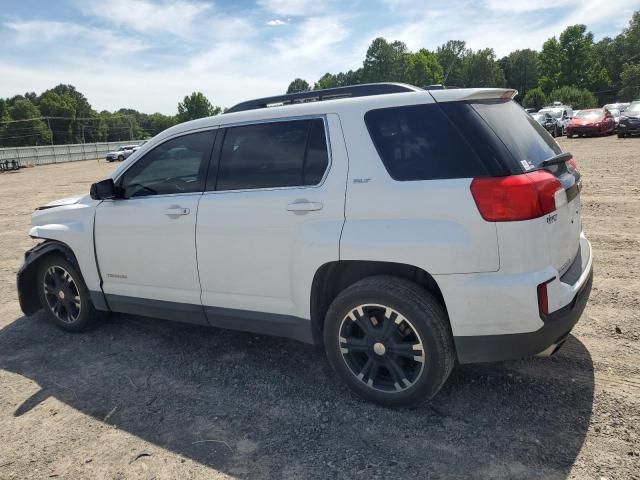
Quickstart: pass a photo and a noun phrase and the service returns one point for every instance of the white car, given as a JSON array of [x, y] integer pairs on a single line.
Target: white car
[[120, 153], [561, 114], [402, 229]]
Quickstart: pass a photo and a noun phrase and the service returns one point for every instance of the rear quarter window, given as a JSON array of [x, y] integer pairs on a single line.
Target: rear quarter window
[[419, 142]]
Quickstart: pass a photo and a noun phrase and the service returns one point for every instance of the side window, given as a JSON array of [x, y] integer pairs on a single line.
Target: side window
[[270, 155], [176, 166], [420, 143]]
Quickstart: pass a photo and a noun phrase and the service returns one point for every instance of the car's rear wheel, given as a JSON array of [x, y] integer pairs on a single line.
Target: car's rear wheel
[[64, 295], [389, 340], [120, 158]]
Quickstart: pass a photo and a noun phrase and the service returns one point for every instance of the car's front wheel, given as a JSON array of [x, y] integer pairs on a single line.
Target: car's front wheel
[[64, 295], [389, 340]]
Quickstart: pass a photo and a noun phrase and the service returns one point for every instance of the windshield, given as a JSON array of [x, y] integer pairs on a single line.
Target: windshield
[[537, 116], [633, 109], [615, 112], [554, 113], [589, 114]]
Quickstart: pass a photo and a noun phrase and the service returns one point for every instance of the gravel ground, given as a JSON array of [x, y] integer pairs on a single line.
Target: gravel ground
[[148, 399]]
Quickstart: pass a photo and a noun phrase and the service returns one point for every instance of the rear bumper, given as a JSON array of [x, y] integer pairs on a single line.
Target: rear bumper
[[494, 348], [568, 294]]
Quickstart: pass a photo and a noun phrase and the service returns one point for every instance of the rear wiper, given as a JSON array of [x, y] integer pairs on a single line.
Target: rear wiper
[[555, 160]]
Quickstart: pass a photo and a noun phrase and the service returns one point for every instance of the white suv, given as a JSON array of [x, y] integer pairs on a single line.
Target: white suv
[[403, 229]]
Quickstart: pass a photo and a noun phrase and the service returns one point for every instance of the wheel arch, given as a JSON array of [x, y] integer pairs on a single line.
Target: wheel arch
[[26, 278], [333, 277]]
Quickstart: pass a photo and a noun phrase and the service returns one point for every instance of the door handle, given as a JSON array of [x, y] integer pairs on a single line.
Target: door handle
[[176, 211], [302, 206]]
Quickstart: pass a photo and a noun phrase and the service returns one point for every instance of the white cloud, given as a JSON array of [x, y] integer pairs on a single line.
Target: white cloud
[[276, 22], [177, 17], [513, 6], [42, 32], [295, 7]]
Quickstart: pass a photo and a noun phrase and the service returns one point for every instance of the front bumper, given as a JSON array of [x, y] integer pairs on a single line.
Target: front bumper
[[629, 127], [575, 288], [591, 130]]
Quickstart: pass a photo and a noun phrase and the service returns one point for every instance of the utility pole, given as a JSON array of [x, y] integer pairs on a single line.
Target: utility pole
[[50, 131]]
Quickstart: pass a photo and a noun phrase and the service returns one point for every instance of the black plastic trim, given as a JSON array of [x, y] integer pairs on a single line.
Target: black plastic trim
[[259, 322], [287, 326], [364, 90], [495, 348], [147, 307]]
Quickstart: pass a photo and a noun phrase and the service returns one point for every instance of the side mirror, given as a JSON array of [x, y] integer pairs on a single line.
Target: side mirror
[[105, 190]]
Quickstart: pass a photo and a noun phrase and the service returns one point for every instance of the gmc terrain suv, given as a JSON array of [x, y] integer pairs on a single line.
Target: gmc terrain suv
[[400, 228]]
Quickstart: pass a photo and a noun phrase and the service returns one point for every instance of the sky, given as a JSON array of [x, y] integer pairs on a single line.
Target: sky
[[149, 54]]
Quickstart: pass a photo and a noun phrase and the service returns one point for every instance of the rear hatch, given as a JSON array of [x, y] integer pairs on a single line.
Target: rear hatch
[[507, 137]]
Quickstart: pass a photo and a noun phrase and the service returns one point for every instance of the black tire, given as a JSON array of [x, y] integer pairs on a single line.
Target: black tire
[[120, 158], [620, 135], [71, 310], [424, 323]]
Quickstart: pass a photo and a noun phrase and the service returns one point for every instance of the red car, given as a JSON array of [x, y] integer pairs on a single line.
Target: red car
[[595, 121]]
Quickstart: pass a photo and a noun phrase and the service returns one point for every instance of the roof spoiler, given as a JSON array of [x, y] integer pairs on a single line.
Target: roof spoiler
[[466, 94]]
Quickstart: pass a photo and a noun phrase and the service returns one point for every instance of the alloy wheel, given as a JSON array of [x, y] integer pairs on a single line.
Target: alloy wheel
[[381, 348], [62, 294]]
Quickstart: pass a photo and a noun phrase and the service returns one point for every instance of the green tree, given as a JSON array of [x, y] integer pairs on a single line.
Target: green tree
[[384, 61], [535, 98], [480, 69], [298, 85], [52, 104], [160, 122], [550, 64], [195, 106], [630, 80], [25, 131], [520, 69], [451, 56], [329, 80], [82, 109], [422, 68], [578, 98]]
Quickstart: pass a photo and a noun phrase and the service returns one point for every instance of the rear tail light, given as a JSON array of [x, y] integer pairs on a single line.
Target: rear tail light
[[572, 163], [516, 197]]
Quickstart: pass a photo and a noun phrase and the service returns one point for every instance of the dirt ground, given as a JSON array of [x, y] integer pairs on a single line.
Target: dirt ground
[[148, 399]]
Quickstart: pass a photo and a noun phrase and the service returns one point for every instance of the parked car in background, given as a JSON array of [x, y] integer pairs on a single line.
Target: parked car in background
[[616, 117], [594, 121], [622, 106], [630, 121], [137, 147], [547, 121], [561, 114], [120, 153]]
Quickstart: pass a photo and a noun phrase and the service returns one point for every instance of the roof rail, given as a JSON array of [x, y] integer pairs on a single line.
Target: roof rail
[[363, 90]]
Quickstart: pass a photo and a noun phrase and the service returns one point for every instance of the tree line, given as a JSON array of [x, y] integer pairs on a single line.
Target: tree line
[[571, 68], [63, 115]]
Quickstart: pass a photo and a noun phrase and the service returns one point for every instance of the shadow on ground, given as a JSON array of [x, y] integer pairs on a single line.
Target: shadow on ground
[[280, 410]]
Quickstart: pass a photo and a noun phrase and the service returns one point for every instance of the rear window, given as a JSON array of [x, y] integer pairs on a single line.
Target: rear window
[[526, 140], [420, 143]]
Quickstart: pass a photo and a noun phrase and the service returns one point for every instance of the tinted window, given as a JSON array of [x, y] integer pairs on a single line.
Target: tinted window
[[176, 166], [525, 139], [268, 155], [420, 143]]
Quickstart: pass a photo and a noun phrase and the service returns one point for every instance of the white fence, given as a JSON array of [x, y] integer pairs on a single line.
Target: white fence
[[60, 153]]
